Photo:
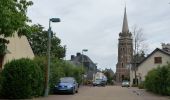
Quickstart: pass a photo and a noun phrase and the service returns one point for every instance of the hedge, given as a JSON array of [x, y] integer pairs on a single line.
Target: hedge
[[25, 78], [21, 79], [59, 68], [158, 80]]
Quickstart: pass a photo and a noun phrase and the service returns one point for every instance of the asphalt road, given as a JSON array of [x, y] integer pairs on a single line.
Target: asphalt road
[[107, 93]]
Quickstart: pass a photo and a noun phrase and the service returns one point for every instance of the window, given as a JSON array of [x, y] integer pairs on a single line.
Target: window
[[158, 60]]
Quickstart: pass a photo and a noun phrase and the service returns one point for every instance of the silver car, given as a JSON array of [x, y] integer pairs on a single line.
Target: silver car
[[125, 84]]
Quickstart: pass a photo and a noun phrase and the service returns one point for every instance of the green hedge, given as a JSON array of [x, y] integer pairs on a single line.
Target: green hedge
[[158, 80], [21, 79], [25, 78], [59, 68]]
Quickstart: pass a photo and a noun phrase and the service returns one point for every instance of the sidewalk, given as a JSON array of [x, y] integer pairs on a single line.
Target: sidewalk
[[145, 94]]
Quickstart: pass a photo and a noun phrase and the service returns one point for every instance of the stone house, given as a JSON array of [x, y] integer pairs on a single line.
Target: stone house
[[87, 63]]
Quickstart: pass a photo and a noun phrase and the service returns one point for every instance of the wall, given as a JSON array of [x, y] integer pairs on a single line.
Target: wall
[[18, 47]]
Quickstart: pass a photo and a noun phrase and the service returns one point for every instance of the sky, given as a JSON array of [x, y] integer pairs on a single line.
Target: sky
[[95, 24]]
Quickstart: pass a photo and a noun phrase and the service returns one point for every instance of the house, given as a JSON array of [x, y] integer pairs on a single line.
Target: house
[[18, 47], [86, 62], [158, 57]]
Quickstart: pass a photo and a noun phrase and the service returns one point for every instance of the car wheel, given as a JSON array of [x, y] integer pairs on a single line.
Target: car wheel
[[76, 91]]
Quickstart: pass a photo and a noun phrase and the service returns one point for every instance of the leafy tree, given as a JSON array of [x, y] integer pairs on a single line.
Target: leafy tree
[[38, 40], [109, 74], [13, 19]]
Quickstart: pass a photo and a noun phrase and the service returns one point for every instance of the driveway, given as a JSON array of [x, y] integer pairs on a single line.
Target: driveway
[[107, 93]]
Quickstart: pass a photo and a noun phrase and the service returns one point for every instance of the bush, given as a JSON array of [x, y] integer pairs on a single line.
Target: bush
[[141, 85], [59, 68], [134, 85], [21, 79], [158, 80]]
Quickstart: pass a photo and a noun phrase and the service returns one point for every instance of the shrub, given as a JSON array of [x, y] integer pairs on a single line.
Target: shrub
[[141, 85], [134, 85], [59, 68], [21, 79], [56, 72], [158, 80]]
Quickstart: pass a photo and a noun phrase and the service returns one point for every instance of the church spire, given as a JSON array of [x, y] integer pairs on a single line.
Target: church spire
[[125, 27]]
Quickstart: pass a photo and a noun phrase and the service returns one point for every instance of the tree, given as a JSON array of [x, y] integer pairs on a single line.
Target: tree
[[38, 40], [13, 19], [139, 40], [110, 75], [140, 48]]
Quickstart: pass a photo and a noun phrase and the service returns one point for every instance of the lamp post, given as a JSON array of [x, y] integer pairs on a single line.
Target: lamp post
[[48, 51], [128, 66], [82, 60]]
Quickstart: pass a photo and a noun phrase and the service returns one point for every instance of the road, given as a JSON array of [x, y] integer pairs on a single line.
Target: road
[[107, 93]]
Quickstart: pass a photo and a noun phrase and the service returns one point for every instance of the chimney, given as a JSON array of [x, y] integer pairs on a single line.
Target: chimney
[[166, 47], [78, 54], [72, 57]]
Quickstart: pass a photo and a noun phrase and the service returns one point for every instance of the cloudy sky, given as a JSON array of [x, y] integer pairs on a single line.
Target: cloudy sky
[[95, 24]]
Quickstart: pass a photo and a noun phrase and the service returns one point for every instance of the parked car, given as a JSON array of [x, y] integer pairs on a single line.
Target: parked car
[[99, 82], [66, 85], [125, 83]]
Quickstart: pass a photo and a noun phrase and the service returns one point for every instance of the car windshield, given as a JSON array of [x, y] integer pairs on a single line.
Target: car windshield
[[125, 81], [67, 80], [98, 80]]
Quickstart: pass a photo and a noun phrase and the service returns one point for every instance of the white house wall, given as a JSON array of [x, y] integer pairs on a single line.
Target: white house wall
[[18, 47], [149, 64]]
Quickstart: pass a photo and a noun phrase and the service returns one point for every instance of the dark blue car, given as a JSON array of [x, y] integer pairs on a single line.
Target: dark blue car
[[66, 85]]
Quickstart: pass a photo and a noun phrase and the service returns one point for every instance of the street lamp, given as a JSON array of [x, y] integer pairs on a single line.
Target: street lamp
[[82, 60], [48, 51], [84, 50]]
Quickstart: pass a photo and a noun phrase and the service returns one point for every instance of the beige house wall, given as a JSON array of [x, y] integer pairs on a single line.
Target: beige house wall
[[132, 76], [149, 64], [18, 47]]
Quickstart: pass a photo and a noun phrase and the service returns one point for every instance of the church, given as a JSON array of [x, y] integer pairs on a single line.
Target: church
[[125, 52]]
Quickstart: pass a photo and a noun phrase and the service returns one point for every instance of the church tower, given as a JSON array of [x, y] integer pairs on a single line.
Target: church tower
[[125, 51]]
